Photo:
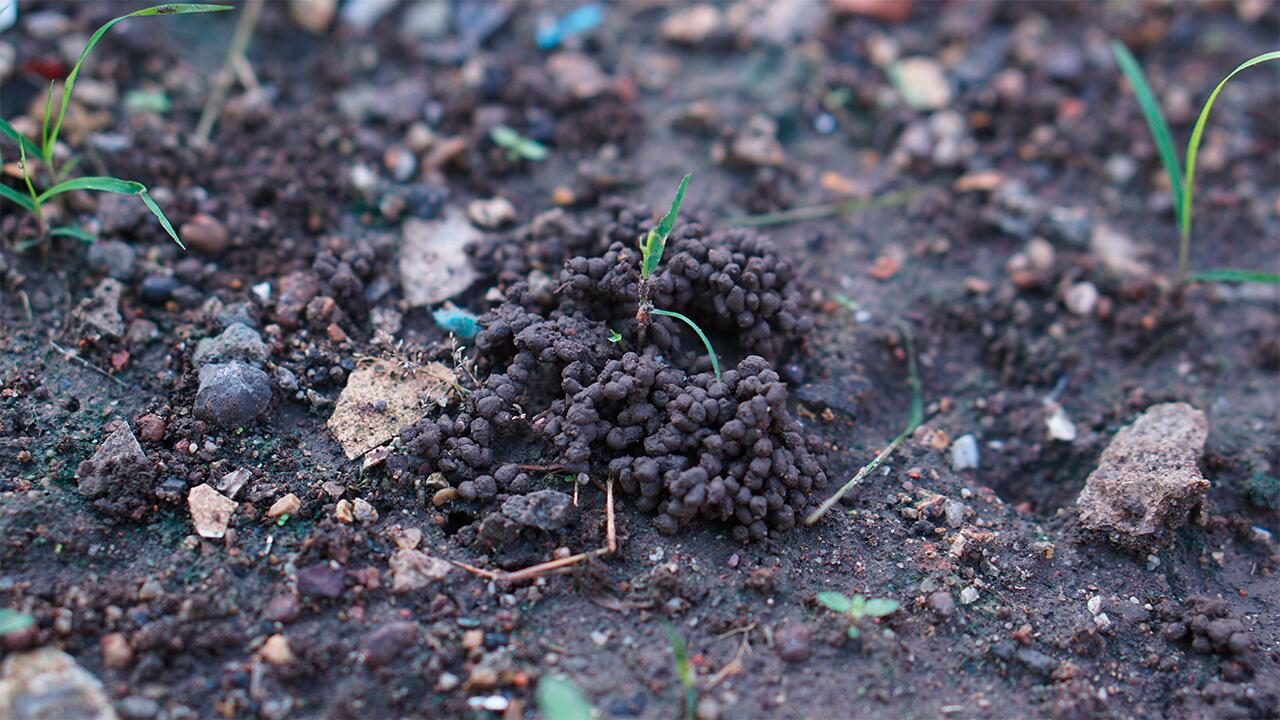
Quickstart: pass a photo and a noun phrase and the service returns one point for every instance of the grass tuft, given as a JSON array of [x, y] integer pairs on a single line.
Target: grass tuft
[[1182, 178]]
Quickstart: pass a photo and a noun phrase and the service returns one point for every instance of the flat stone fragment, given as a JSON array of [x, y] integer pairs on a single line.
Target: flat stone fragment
[[210, 510], [433, 258], [1148, 478], [48, 684], [413, 570], [380, 398]]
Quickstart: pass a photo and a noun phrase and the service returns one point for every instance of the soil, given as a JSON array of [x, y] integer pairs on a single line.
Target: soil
[[1032, 259]]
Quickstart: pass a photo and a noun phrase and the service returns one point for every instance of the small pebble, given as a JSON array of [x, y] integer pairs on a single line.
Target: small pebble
[[794, 643]]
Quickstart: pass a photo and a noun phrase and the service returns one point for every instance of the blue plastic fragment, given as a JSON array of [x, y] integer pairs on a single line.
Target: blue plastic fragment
[[459, 322], [577, 21]]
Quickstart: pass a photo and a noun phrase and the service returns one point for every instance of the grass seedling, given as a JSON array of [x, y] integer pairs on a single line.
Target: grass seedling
[[651, 249], [12, 621], [857, 608], [44, 152], [1182, 177], [559, 699], [680, 656], [518, 147], [914, 419]]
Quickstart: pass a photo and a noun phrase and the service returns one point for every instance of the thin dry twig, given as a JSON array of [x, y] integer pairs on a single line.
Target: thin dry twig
[[536, 571], [74, 357], [235, 65]]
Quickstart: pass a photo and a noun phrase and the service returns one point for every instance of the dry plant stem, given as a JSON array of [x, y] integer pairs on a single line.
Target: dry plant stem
[[536, 571], [76, 358], [816, 515], [236, 63]]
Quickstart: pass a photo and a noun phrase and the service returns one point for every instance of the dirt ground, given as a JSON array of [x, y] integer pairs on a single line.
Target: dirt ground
[[1004, 202]]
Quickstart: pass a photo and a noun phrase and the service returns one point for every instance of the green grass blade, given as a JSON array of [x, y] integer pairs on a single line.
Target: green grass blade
[[101, 184], [168, 9], [74, 232], [656, 241], [1228, 275], [12, 195], [164, 221], [44, 122], [559, 699], [715, 364], [1193, 146], [12, 133], [1155, 123], [680, 655]]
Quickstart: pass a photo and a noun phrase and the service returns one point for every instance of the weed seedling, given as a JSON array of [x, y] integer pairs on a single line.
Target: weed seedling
[[44, 152], [518, 147], [680, 656], [559, 699], [12, 621], [1182, 178], [651, 249], [857, 608]]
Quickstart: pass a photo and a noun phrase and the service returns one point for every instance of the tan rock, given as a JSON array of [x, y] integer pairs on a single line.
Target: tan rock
[[344, 512], [413, 570], [116, 652], [380, 398], [48, 684], [210, 511], [287, 505], [276, 650], [1148, 478]]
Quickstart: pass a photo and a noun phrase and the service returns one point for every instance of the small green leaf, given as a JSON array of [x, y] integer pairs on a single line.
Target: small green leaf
[[102, 184], [879, 607], [852, 632], [73, 232], [1193, 145], [559, 699], [12, 133], [715, 364], [14, 621], [1156, 124], [504, 136], [532, 150], [51, 139], [614, 336], [838, 602], [656, 241], [859, 602], [1228, 275], [164, 221], [12, 195]]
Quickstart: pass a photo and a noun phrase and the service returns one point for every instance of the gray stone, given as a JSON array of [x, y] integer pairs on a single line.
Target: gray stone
[[794, 642], [48, 684], [119, 449], [238, 342], [100, 313], [964, 453], [544, 509], [112, 258], [1148, 478], [232, 394]]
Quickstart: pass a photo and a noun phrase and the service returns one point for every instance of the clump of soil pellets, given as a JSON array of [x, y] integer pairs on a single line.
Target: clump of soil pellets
[[574, 384]]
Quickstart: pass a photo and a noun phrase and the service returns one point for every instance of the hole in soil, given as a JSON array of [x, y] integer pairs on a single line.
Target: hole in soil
[[457, 520]]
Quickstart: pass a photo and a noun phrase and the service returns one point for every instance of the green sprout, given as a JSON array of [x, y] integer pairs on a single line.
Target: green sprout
[[518, 147], [12, 621], [559, 699], [680, 656], [614, 336], [651, 249], [1182, 178], [857, 608], [44, 152]]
